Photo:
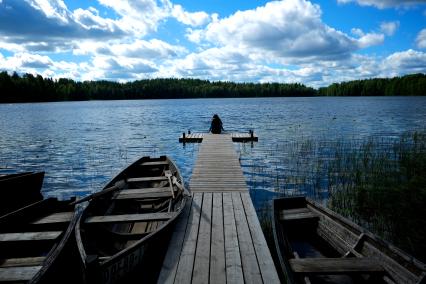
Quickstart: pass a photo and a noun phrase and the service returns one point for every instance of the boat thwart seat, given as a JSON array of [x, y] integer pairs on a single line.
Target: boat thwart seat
[[297, 214], [142, 179], [363, 265], [141, 193], [18, 274], [30, 236], [130, 218]]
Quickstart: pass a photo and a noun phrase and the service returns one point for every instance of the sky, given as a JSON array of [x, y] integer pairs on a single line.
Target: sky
[[315, 42]]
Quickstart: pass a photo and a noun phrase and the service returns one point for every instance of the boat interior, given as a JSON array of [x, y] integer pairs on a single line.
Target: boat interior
[[319, 246], [144, 203]]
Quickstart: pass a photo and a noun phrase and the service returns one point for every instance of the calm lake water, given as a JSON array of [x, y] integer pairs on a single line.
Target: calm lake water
[[81, 145]]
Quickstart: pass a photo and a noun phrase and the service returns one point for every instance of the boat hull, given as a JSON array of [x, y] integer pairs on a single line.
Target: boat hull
[[147, 192], [315, 243], [26, 243], [19, 190]]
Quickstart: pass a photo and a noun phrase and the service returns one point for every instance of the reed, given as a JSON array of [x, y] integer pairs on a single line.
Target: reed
[[379, 183], [382, 186]]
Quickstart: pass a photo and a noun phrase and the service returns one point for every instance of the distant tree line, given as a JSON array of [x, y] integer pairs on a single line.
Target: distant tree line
[[409, 85], [30, 88]]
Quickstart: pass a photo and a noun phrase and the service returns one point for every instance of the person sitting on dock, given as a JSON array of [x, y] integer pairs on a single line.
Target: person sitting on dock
[[216, 126]]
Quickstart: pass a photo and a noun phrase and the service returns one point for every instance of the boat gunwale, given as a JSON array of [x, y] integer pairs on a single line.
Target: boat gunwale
[[58, 246], [136, 245], [401, 258]]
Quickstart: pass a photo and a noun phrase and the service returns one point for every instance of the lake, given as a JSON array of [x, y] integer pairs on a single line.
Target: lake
[[81, 145]]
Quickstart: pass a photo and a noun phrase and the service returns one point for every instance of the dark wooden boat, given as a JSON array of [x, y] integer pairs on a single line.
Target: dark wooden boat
[[19, 189], [37, 243], [124, 220], [316, 245]]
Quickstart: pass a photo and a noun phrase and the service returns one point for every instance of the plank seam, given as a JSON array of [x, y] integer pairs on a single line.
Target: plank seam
[[198, 234], [238, 237], [183, 240], [251, 237]]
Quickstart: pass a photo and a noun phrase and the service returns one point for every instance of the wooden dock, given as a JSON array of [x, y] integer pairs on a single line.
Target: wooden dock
[[236, 137], [218, 238]]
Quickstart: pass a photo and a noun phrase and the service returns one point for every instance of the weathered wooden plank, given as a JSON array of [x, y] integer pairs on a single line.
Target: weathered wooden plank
[[234, 272], [264, 258], [130, 217], [157, 163], [248, 255], [145, 190], [296, 210], [10, 274], [217, 258], [142, 195], [202, 254], [186, 261], [30, 236], [23, 261], [335, 265], [171, 260], [60, 217], [141, 179], [299, 216]]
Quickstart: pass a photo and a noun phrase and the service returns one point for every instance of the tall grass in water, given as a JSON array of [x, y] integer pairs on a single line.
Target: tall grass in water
[[380, 183], [382, 186]]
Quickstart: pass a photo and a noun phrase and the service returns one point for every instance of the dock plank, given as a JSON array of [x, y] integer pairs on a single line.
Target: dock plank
[[186, 261], [264, 258], [202, 255], [220, 239], [171, 260], [217, 261], [248, 255], [234, 270]]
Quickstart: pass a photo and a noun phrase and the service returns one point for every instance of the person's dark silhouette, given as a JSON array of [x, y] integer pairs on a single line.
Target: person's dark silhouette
[[216, 127]]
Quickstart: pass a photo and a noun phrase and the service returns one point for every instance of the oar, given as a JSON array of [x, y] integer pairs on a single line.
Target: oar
[[119, 184], [168, 174]]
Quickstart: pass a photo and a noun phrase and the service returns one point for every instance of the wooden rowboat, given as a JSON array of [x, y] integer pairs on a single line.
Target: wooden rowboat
[[127, 218], [19, 189], [314, 244], [37, 243]]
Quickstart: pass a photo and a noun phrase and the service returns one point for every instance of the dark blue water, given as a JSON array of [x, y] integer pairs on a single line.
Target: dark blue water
[[81, 145]]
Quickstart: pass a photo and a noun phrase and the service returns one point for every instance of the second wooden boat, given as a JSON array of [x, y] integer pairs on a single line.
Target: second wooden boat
[[19, 189], [123, 221], [37, 244], [316, 245]]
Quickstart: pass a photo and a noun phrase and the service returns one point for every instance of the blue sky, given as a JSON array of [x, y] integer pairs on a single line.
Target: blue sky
[[313, 42]]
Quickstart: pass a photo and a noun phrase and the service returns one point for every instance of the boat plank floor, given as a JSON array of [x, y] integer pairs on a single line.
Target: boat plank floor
[[60, 217], [219, 238], [335, 265], [130, 218], [29, 236], [10, 274]]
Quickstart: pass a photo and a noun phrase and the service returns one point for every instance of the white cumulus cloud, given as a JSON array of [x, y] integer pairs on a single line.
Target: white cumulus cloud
[[389, 28], [191, 19], [385, 3], [283, 29], [421, 39]]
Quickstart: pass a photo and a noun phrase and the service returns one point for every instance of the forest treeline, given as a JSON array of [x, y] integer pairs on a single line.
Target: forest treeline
[[30, 88], [409, 85]]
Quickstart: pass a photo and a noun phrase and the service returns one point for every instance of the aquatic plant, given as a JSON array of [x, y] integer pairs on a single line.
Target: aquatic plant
[[378, 182]]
